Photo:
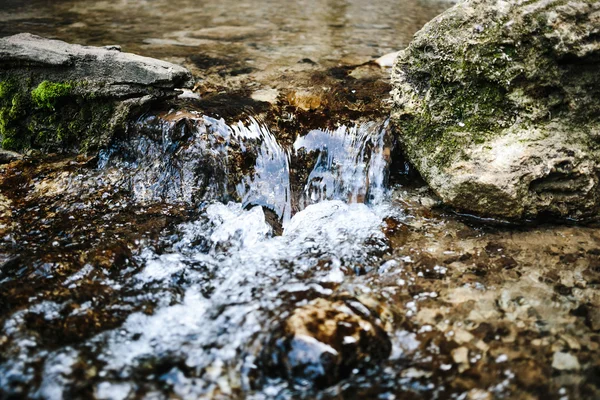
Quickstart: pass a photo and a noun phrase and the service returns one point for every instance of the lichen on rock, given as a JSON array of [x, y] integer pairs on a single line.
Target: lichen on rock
[[497, 105], [56, 96]]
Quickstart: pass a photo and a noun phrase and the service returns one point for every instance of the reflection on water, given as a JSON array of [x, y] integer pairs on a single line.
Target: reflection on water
[[261, 33]]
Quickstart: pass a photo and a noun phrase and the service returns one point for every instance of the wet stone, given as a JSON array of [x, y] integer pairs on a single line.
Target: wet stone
[[529, 374], [62, 97], [594, 318], [565, 361], [325, 341], [7, 156]]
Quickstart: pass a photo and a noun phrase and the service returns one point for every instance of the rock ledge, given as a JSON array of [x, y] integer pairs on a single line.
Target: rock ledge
[[60, 96]]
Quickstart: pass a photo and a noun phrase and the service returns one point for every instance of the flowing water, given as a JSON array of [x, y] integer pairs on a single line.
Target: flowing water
[[267, 240], [221, 283]]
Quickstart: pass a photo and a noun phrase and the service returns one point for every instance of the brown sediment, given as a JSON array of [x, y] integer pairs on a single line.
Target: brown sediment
[[53, 238]]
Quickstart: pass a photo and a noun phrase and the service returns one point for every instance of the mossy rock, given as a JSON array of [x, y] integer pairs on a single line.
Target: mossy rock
[[56, 96], [54, 116], [47, 94], [497, 104]]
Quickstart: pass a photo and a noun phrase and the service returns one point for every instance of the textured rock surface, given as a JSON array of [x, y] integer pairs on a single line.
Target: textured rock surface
[[497, 105], [7, 156], [57, 96], [325, 340]]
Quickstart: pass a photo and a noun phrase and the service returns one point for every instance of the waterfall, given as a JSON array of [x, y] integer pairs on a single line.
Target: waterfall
[[186, 157], [350, 164]]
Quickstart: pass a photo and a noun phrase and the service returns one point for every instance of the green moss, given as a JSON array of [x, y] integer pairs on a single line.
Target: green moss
[[47, 93], [5, 89], [456, 115], [12, 110], [52, 116], [9, 143], [463, 93]]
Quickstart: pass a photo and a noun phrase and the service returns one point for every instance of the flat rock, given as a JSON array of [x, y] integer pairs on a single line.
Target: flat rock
[[56, 96], [107, 65]]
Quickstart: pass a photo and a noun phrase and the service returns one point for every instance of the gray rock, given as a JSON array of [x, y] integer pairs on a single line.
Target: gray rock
[[115, 73], [565, 361], [7, 156], [497, 104], [60, 96]]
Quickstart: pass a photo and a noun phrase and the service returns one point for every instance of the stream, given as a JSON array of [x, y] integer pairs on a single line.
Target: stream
[[263, 237]]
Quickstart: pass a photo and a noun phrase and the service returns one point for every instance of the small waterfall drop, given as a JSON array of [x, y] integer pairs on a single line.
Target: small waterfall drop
[[350, 165], [269, 184], [189, 158]]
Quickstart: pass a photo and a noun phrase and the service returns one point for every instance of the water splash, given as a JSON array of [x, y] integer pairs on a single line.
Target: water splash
[[351, 164], [186, 157], [218, 335]]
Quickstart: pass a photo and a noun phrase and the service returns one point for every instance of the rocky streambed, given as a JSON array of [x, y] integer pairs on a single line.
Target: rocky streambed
[[265, 234]]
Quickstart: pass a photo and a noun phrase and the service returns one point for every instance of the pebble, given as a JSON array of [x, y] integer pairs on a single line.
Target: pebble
[[565, 362], [387, 60], [502, 358], [461, 357]]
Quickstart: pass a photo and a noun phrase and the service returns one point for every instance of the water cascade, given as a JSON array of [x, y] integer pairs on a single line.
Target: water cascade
[[186, 157], [221, 287]]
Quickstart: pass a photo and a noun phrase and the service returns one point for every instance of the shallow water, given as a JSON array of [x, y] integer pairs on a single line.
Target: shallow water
[[115, 287], [257, 33], [289, 254], [304, 52]]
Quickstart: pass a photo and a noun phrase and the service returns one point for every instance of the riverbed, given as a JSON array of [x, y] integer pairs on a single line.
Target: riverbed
[[262, 236]]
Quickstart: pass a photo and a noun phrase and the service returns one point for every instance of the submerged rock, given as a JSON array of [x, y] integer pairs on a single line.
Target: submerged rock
[[60, 96], [565, 361], [497, 105], [325, 340]]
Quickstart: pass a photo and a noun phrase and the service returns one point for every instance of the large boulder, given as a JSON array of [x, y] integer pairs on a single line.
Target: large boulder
[[60, 96], [497, 104]]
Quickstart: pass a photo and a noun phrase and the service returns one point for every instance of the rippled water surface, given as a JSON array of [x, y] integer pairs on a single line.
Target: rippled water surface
[[257, 32], [264, 238]]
